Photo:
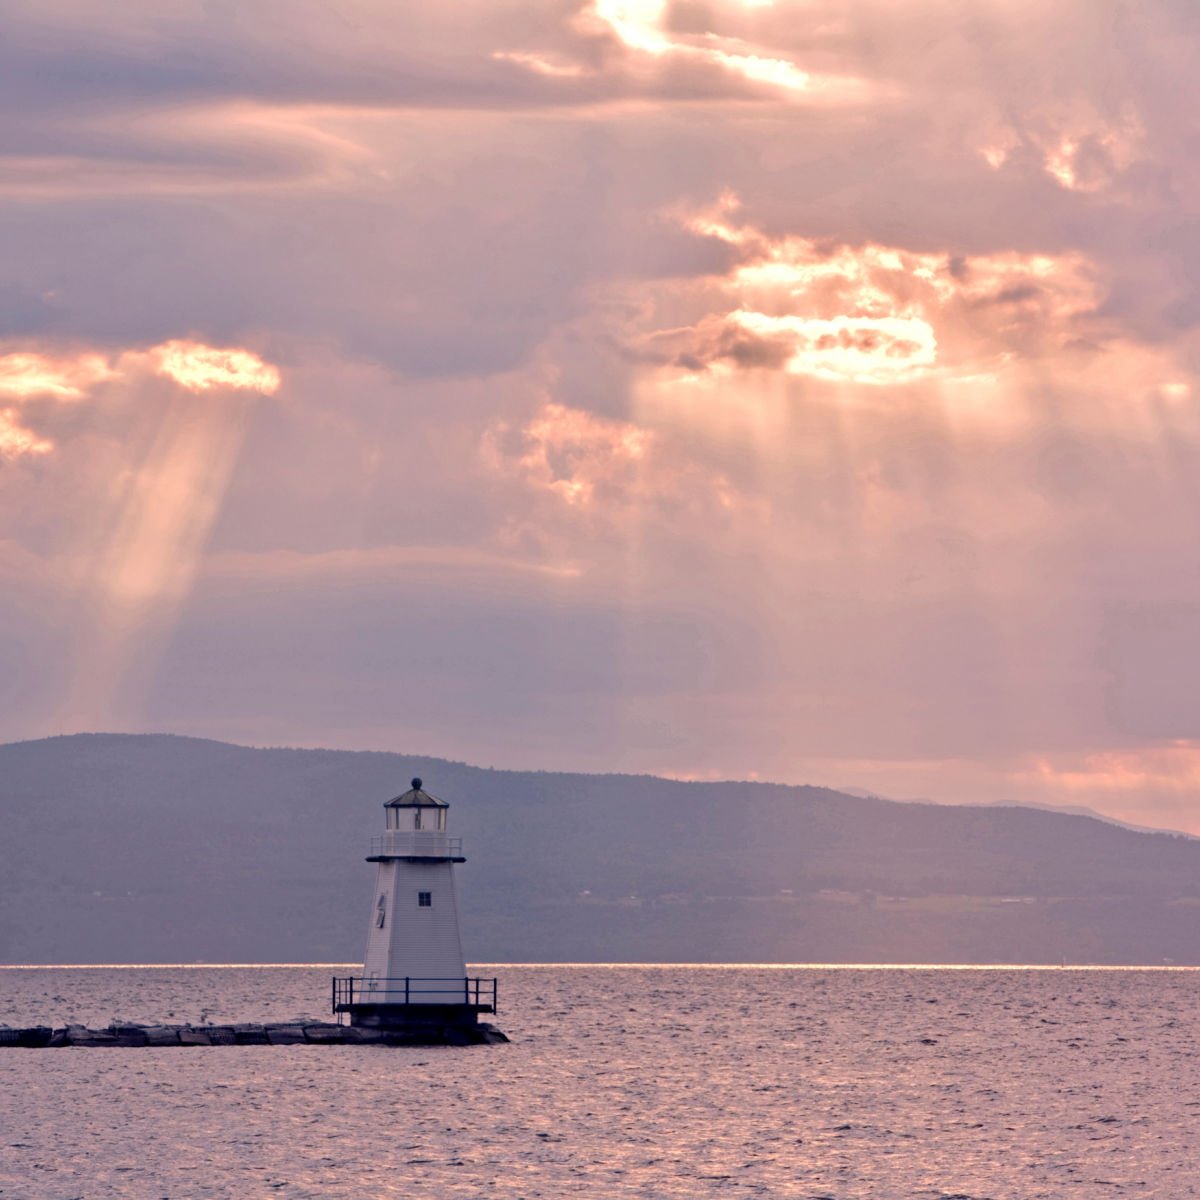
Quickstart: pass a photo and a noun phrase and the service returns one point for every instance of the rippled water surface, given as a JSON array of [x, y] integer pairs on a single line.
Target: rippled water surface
[[622, 1081]]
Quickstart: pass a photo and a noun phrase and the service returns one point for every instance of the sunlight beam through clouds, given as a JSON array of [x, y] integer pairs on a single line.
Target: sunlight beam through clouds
[[924, 423], [157, 526]]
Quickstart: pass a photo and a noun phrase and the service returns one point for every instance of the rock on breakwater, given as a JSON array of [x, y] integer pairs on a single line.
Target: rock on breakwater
[[291, 1033]]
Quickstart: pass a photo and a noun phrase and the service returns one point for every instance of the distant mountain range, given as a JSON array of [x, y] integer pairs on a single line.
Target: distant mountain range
[[154, 848]]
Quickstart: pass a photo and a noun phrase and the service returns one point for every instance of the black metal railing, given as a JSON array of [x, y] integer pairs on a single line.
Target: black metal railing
[[352, 991]]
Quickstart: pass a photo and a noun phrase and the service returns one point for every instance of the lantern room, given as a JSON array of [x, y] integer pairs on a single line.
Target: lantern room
[[416, 810]]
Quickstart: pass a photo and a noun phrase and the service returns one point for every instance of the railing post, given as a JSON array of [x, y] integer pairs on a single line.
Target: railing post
[[406, 989]]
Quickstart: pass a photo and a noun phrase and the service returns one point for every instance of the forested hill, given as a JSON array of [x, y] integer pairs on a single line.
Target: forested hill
[[154, 848]]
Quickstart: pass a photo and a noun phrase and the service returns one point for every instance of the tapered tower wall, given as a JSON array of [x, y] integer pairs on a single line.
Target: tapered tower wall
[[414, 924]]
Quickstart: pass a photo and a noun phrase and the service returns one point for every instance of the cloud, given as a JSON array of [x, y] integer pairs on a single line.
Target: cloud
[[1088, 154], [641, 25], [858, 349], [540, 65], [18, 442], [1174, 767], [200, 368], [591, 487], [879, 314], [25, 375], [30, 377], [578, 457]]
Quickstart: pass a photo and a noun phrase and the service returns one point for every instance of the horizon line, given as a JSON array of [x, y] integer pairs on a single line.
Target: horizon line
[[694, 966]]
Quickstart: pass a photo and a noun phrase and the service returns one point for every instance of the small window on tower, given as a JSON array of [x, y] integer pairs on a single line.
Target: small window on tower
[[424, 899]]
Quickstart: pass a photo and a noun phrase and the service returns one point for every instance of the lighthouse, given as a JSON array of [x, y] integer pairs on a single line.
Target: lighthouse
[[414, 979]]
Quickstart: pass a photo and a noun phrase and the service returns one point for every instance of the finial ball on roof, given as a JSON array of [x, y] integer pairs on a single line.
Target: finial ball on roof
[[417, 784]]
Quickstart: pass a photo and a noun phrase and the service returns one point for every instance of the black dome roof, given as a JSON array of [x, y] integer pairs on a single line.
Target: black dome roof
[[416, 797]]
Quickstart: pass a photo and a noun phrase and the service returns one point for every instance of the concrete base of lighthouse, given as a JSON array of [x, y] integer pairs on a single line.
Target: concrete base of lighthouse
[[402, 1009], [427, 1024]]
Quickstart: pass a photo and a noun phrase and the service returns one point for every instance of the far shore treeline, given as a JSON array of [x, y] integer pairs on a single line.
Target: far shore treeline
[[154, 848]]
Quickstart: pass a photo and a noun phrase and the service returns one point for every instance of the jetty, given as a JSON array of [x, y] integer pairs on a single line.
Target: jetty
[[288, 1033], [414, 990]]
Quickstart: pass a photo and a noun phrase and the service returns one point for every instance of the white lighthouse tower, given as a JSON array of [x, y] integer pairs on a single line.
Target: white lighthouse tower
[[414, 978]]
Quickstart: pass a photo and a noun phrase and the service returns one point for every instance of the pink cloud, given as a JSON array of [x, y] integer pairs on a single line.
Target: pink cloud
[[24, 375], [877, 314], [18, 442], [200, 368]]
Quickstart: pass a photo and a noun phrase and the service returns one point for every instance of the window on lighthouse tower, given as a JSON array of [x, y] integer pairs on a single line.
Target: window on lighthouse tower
[[424, 899]]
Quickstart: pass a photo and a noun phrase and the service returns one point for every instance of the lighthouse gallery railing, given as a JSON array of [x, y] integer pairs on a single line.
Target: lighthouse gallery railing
[[351, 991], [405, 843]]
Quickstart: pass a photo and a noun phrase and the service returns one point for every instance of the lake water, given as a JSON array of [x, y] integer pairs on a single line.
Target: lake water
[[623, 1081]]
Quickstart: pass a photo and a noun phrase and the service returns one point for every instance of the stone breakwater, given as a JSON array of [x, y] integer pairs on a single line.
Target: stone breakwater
[[293, 1033]]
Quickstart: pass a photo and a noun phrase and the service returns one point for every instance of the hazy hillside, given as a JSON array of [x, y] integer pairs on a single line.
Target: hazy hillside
[[157, 848]]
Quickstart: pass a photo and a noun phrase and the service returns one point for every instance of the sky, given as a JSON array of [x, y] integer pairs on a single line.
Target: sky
[[801, 391]]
